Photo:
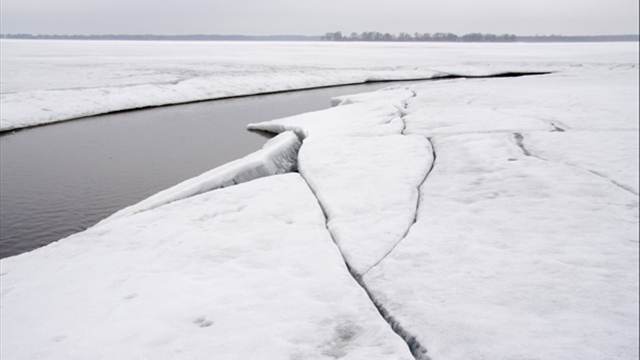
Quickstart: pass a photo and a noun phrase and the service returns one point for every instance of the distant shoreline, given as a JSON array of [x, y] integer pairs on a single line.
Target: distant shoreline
[[450, 38]]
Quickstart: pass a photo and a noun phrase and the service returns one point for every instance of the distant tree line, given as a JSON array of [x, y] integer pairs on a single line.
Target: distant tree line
[[403, 36], [471, 37]]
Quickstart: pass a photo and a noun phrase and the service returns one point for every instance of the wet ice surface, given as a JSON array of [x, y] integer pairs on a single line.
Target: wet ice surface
[[522, 238]]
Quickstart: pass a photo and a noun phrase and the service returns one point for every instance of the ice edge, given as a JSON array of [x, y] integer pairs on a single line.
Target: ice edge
[[439, 75]]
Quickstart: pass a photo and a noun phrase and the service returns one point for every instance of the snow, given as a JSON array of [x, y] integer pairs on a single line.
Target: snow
[[375, 117], [346, 156], [368, 207], [485, 219], [277, 156], [244, 272], [46, 81], [515, 257], [526, 239], [596, 98], [604, 153], [525, 242]]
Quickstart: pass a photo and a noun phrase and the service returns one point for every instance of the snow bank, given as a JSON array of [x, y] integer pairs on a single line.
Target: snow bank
[[369, 208], [515, 257], [277, 156], [244, 272]]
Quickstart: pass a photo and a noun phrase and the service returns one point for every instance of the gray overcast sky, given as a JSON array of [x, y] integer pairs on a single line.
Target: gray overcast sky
[[569, 17]]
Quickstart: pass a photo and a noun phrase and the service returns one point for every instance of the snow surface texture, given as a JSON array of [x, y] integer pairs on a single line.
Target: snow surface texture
[[360, 139], [484, 219], [354, 118], [369, 208], [525, 243], [514, 257], [277, 156], [526, 240], [48, 81], [246, 272]]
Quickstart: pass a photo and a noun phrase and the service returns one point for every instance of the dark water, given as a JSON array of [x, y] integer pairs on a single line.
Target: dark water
[[59, 179]]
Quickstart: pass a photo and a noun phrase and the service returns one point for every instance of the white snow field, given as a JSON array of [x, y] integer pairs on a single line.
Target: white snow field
[[525, 244], [46, 81], [478, 219], [245, 272], [346, 156]]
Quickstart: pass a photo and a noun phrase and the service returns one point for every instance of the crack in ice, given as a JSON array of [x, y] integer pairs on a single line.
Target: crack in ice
[[519, 138], [419, 187], [416, 211], [418, 351]]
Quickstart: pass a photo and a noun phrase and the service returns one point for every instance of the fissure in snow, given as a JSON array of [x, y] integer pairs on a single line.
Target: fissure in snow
[[418, 351], [519, 138]]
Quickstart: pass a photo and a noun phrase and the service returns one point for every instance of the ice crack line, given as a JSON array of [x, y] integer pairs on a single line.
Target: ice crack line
[[418, 351], [519, 138], [416, 211], [419, 199]]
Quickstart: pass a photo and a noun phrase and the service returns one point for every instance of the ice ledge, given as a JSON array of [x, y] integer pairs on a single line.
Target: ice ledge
[[277, 156]]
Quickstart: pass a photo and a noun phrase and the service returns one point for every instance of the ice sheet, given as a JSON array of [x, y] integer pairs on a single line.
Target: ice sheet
[[526, 240], [368, 187], [607, 154], [515, 257], [48, 81], [604, 98], [246, 272]]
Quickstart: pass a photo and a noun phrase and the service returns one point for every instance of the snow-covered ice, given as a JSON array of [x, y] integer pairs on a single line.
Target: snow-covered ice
[[603, 153], [346, 156], [277, 156], [515, 257], [526, 238], [368, 207], [485, 219], [245, 272], [48, 81], [381, 115]]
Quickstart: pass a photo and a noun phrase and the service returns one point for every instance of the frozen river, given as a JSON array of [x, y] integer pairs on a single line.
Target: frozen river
[[62, 178]]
